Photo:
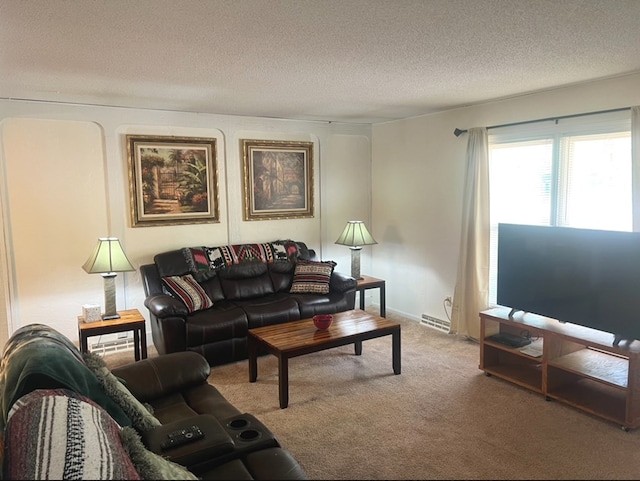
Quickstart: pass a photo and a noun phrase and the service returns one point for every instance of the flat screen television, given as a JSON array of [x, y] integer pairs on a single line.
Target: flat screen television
[[582, 276]]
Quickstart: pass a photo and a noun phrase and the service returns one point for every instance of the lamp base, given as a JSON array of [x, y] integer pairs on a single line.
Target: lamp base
[[110, 297], [355, 262]]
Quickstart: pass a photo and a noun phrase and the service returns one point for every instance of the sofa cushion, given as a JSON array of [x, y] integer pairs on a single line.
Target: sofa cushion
[[230, 322], [153, 378], [312, 277], [245, 281], [213, 288], [187, 289], [312, 304], [267, 310], [60, 434]]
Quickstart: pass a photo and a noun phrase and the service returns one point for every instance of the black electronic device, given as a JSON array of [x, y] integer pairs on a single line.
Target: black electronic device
[[582, 276], [182, 436], [511, 340]]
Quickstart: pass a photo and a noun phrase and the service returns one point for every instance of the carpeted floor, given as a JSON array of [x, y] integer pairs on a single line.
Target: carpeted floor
[[350, 417]]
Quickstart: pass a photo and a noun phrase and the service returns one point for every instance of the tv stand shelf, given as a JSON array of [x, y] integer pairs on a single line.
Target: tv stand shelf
[[579, 366]]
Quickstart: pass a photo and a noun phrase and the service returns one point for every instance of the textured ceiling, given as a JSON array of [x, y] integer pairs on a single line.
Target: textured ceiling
[[359, 61]]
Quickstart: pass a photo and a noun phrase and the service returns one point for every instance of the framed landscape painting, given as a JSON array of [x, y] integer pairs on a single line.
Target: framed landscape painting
[[278, 179], [172, 180]]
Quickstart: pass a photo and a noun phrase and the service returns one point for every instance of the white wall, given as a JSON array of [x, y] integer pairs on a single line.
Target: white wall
[[56, 173], [64, 182], [417, 179], [403, 178]]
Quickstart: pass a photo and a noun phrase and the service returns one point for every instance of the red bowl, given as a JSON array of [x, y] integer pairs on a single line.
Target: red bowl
[[322, 321]]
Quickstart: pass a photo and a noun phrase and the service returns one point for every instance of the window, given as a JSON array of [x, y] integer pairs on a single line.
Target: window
[[572, 172]]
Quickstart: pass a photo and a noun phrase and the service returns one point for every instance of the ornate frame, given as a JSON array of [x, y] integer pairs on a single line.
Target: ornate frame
[[278, 179], [172, 180]]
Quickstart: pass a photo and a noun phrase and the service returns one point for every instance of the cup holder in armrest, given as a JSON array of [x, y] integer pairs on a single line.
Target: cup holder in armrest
[[238, 423], [248, 433]]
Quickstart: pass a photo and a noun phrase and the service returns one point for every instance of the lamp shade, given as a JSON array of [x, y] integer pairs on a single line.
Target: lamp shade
[[107, 257], [355, 234]]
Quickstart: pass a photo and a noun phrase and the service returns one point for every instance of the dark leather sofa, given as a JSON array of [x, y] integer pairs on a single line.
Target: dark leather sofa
[[238, 445], [249, 286], [64, 415]]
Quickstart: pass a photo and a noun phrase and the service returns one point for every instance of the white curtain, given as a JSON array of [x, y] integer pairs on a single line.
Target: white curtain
[[635, 165], [471, 294]]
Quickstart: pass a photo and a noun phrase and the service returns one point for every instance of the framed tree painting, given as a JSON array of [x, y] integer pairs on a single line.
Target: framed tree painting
[[172, 180], [278, 179]]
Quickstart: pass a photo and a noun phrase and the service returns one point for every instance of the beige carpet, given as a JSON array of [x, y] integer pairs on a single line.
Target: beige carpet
[[350, 417]]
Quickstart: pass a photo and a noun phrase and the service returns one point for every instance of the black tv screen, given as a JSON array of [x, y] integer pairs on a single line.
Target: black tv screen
[[582, 276]]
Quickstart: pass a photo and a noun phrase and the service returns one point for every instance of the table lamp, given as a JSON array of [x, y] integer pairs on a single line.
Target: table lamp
[[108, 259], [355, 235]]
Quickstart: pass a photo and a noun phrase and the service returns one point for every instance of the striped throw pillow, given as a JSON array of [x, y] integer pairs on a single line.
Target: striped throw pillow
[[312, 277], [60, 434], [187, 289]]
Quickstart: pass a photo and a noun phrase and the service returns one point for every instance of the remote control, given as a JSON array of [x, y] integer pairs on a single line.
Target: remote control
[[182, 436]]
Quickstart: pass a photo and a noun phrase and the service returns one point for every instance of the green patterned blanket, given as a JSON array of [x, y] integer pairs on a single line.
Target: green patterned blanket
[[39, 357]]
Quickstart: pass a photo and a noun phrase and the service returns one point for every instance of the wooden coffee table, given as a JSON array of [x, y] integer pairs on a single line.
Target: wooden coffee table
[[292, 339]]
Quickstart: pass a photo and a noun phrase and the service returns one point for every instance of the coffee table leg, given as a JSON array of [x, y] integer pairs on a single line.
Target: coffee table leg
[[358, 346], [396, 351], [252, 351], [283, 380]]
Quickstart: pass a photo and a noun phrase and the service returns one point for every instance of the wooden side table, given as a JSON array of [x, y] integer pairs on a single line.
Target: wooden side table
[[130, 320], [368, 282]]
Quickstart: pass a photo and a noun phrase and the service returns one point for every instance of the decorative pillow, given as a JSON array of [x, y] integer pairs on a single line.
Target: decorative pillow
[[312, 277], [187, 289], [59, 434]]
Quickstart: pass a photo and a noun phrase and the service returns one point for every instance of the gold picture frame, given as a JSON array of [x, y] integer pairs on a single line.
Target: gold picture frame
[[278, 179], [172, 180]]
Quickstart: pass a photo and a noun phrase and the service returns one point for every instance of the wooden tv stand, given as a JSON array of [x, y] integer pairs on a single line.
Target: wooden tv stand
[[579, 366]]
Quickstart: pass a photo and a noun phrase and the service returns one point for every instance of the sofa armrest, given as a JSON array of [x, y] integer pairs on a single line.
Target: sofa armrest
[[216, 441], [163, 305], [341, 282], [156, 377]]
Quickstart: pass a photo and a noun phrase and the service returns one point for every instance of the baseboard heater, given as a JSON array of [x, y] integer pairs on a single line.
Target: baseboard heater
[[102, 348], [435, 323]]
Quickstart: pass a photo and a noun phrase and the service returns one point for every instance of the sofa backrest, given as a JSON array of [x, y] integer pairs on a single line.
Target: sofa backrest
[[172, 263], [236, 271], [281, 275], [245, 280]]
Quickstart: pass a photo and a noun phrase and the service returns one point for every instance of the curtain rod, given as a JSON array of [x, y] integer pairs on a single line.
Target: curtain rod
[[457, 132]]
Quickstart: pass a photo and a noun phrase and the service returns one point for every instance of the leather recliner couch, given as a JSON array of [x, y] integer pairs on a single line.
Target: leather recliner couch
[[238, 445], [249, 286], [66, 414]]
